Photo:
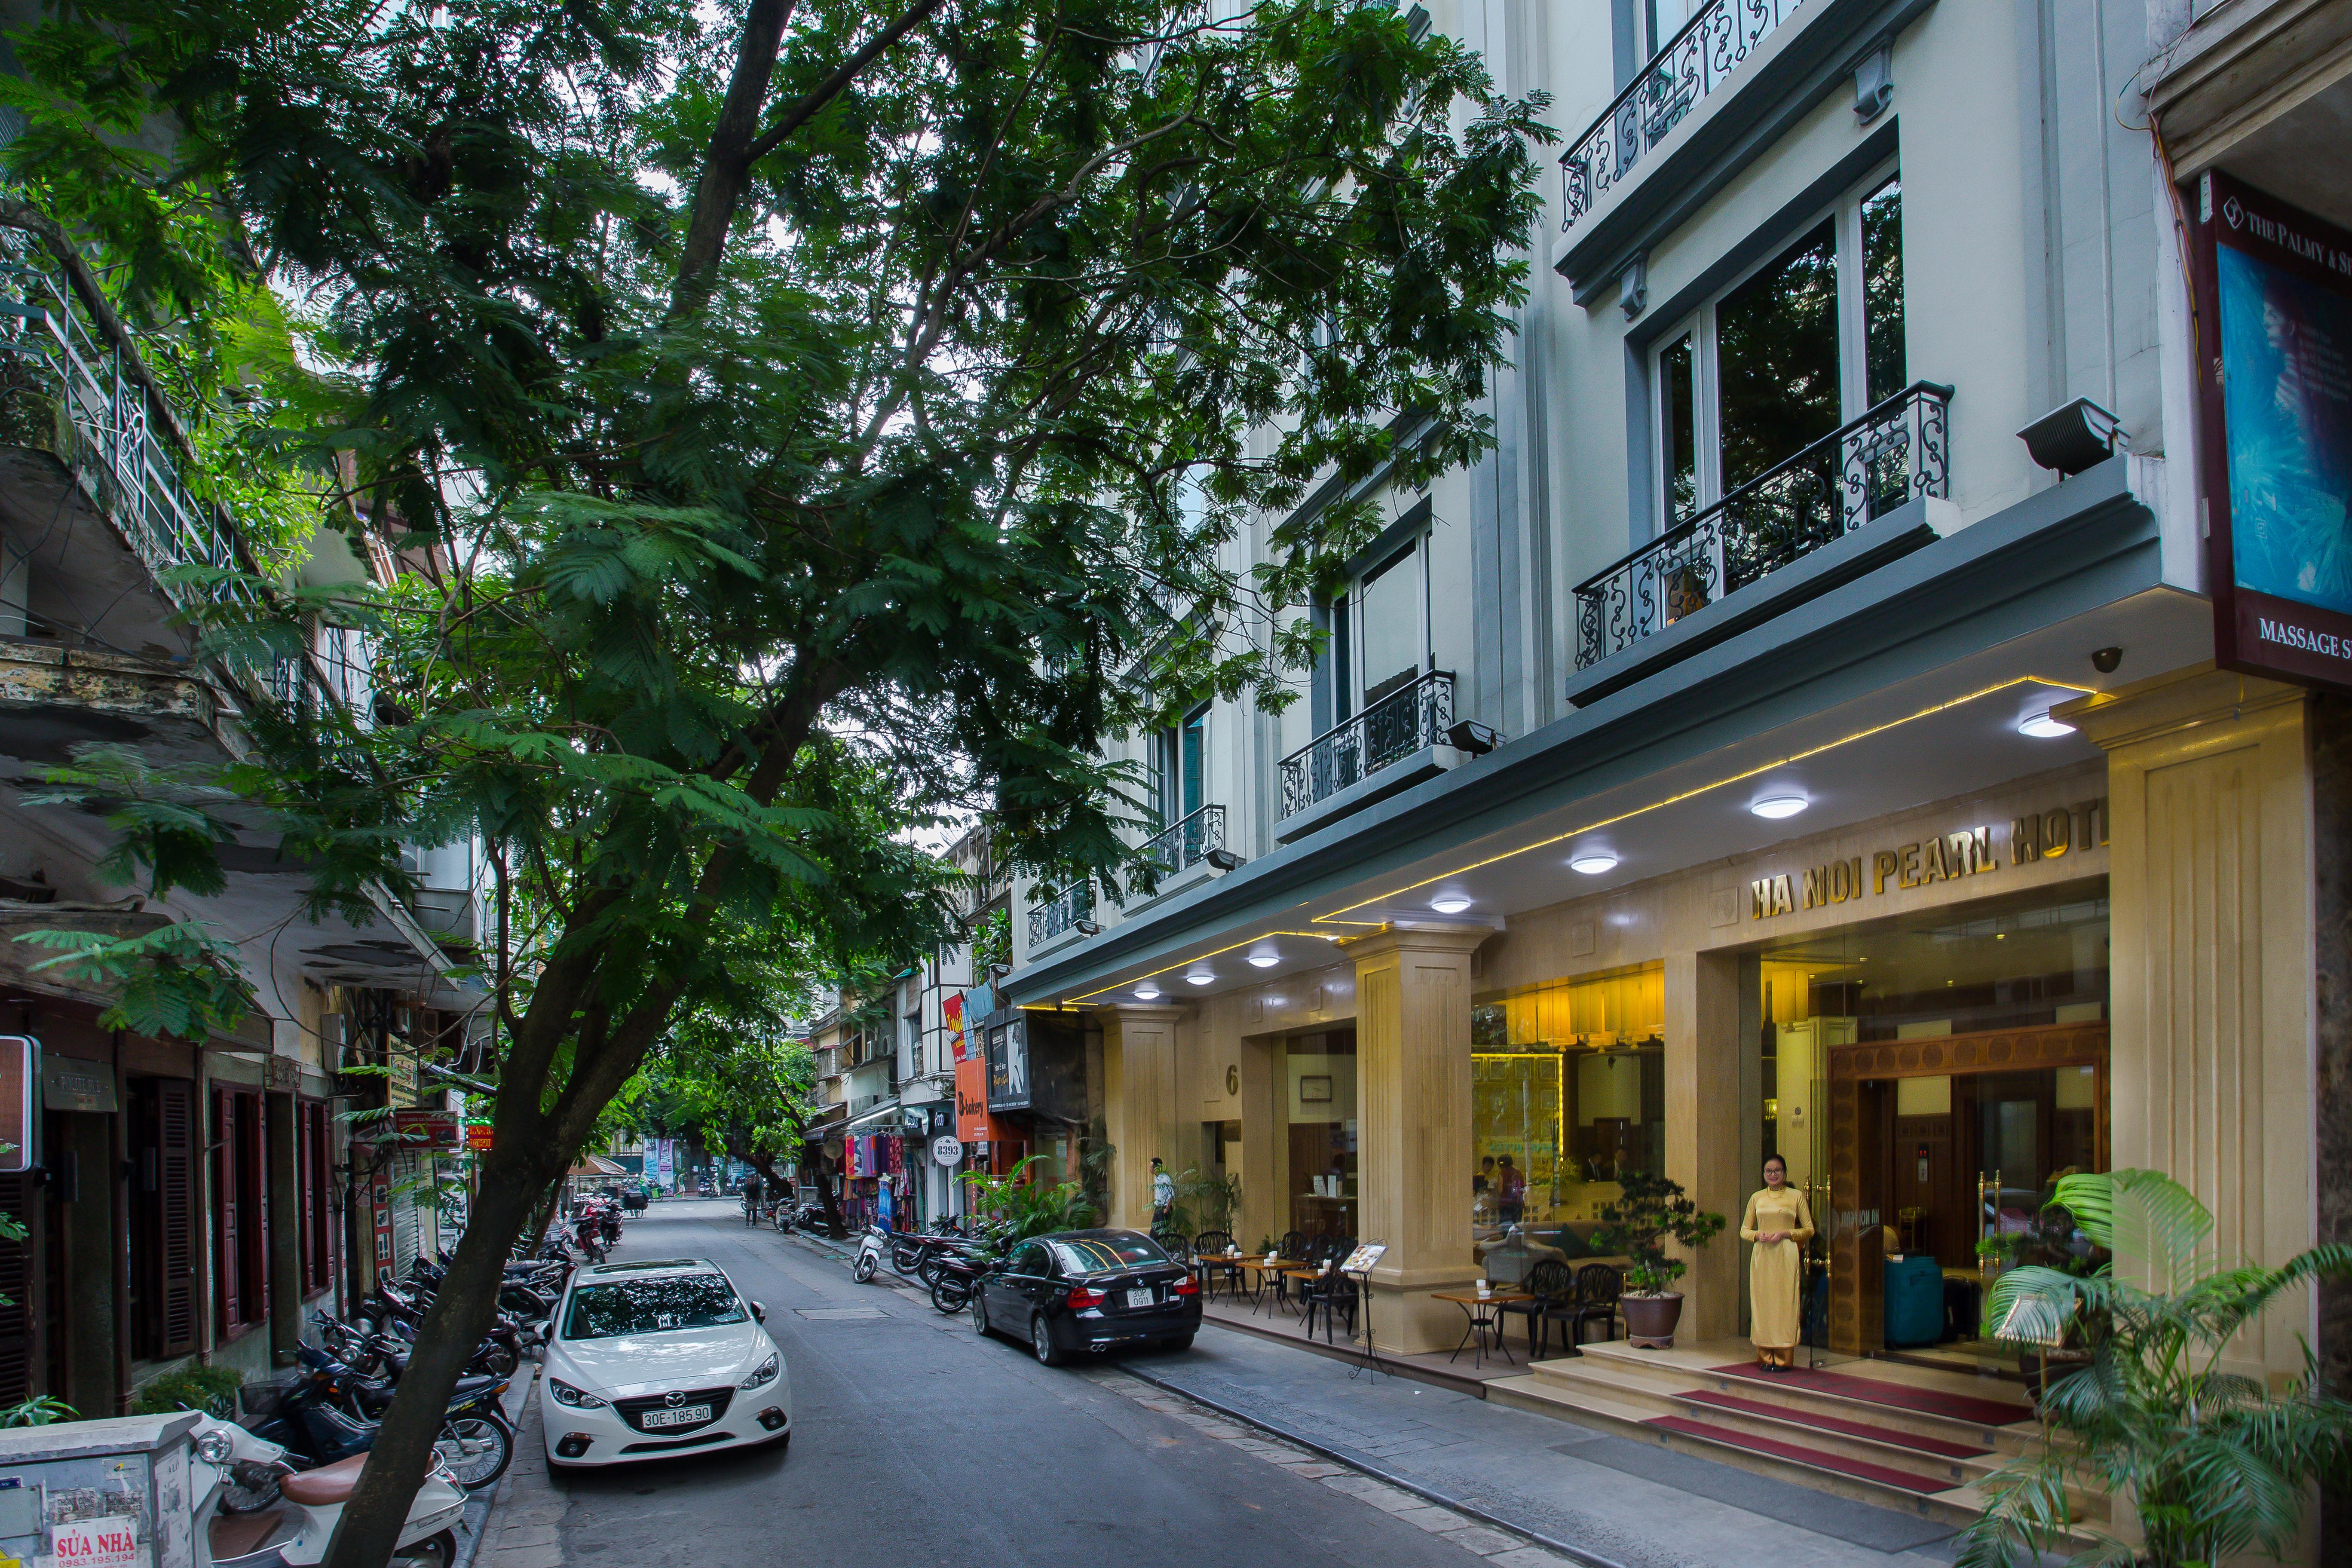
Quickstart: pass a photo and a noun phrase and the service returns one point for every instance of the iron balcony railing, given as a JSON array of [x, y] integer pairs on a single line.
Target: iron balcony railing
[[1408, 720], [134, 454], [1185, 843], [1059, 913], [1848, 478], [1695, 62]]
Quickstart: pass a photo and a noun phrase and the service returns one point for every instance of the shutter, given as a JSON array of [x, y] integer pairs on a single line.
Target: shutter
[[225, 1252], [175, 1200], [305, 1172], [257, 1182], [16, 1284]]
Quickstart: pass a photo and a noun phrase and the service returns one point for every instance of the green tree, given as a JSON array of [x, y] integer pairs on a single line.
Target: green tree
[[784, 416], [2215, 1463]]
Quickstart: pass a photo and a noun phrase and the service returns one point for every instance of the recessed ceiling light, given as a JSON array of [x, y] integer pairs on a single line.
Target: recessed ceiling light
[[1147, 991], [1776, 806], [1592, 862], [1451, 904], [1265, 959], [2042, 727], [1201, 976]]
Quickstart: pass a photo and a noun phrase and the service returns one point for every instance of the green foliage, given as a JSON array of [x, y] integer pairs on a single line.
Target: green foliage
[[176, 982], [38, 1411], [211, 1389], [1018, 1205], [164, 820], [1206, 1202], [1649, 1213], [2217, 1462]]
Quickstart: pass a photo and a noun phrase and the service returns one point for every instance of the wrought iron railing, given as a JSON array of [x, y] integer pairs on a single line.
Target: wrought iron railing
[[1406, 721], [1848, 478], [1059, 913], [1185, 843], [134, 455], [1695, 62]]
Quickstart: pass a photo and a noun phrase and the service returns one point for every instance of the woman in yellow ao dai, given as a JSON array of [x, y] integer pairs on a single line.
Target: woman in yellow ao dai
[[1780, 1225]]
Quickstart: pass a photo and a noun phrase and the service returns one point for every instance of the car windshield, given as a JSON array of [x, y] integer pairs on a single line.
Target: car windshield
[[1093, 1254], [651, 1306]]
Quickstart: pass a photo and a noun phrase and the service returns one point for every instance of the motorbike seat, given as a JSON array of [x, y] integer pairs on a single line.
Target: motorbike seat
[[468, 1387], [326, 1485]]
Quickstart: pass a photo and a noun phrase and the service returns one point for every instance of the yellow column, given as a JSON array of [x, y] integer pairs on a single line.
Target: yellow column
[[1141, 1112], [2210, 888], [1704, 1133], [1413, 1103]]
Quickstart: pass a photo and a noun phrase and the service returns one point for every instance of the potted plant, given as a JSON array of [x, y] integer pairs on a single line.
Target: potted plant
[[2217, 1464], [1649, 1213]]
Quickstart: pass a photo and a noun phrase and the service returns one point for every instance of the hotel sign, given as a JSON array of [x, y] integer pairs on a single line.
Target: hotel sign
[[1945, 857]]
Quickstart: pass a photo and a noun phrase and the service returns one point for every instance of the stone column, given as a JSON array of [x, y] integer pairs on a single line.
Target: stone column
[[1142, 1112], [1413, 1143], [1706, 1132], [2210, 883]]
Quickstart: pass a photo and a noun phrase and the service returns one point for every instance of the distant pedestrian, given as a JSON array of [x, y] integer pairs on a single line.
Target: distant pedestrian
[[1163, 1194]]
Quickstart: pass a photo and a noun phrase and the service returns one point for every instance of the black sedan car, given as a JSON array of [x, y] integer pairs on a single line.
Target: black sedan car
[[1088, 1290]]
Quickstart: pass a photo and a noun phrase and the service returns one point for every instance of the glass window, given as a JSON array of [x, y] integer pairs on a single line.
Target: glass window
[[1567, 1091], [1028, 1259], [1105, 1254], [1666, 19], [1882, 290], [651, 1306], [1777, 358], [1679, 427], [1395, 642], [1320, 1116], [1183, 767]]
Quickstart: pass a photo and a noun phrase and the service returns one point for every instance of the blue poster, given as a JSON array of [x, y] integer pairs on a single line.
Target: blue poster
[[2287, 344]]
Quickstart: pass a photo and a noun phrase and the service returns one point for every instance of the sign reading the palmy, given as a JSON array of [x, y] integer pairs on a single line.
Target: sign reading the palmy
[[1945, 857]]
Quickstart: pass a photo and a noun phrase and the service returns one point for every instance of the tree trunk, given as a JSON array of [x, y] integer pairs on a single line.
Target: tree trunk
[[462, 1312]]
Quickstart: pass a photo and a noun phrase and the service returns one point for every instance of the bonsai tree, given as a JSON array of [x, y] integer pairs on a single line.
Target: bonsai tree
[[2220, 1464], [1649, 1213]]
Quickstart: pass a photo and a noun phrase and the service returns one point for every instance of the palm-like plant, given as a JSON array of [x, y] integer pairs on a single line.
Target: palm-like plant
[[2215, 1462]]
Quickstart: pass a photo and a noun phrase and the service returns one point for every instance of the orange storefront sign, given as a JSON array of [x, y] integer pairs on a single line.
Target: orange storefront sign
[[973, 1120]]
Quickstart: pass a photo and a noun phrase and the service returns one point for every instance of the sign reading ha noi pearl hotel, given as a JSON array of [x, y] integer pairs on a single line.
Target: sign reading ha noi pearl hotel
[[1945, 857]]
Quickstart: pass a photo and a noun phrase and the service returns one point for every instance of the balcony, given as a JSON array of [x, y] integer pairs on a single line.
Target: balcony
[[1062, 912], [1188, 843], [1816, 507], [1395, 742]]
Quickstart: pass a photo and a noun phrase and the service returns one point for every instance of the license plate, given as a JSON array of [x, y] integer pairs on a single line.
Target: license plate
[[1139, 1297], [683, 1415]]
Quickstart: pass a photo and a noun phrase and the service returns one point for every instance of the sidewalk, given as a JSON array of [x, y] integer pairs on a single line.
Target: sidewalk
[[1610, 1501]]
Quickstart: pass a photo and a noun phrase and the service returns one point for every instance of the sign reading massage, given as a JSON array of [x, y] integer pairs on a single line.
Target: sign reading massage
[[1947, 857], [2277, 392]]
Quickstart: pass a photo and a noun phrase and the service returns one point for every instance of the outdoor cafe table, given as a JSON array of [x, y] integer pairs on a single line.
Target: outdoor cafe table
[[1482, 1324], [1264, 1267]]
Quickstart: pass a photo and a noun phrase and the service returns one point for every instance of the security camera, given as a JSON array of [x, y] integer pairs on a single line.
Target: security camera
[[2105, 659]]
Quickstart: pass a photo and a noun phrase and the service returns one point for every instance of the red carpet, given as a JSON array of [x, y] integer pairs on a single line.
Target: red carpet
[[1930, 1446], [1900, 1396], [1884, 1475]]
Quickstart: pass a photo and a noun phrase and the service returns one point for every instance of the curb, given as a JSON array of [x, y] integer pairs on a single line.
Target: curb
[[1373, 1469], [478, 1525]]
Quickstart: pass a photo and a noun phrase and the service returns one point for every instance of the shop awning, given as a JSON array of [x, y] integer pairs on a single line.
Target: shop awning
[[883, 1118], [596, 1165]]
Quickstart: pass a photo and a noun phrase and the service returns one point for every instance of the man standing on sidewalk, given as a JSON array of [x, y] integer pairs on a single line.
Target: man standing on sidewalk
[[1163, 1195]]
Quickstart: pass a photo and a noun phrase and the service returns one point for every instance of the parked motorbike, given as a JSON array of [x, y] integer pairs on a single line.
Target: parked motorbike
[[873, 1249], [957, 1274], [317, 1417], [230, 1459]]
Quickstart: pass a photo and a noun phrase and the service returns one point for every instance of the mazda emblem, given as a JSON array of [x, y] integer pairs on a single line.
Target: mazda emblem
[[675, 1397]]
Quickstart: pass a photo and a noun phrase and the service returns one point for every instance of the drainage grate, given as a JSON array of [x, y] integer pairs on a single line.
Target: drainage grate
[[840, 1314]]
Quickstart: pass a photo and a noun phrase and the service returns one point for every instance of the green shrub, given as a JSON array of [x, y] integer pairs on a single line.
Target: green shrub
[[211, 1389]]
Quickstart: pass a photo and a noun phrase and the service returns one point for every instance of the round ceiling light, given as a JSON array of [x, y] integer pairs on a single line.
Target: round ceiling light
[[1148, 990], [1592, 862], [1201, 976], [1449, 904], [1265, 959], [2041, 727], [1773, 807]]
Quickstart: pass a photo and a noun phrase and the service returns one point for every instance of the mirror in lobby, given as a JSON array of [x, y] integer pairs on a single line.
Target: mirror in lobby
[[1567, 1090], [1320, 1072]]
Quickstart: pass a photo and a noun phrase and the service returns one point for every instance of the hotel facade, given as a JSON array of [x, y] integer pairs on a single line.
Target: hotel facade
[[1810, 730]]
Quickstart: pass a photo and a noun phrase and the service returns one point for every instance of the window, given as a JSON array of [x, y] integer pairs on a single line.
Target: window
[[1380, 632], [915, 1044], [652, 1306], [1182, 767], [1804, 344], [1030, 1262], [163, 1241], [240, 1207], [314, 1180], [1106, 1254], [1666, 19]]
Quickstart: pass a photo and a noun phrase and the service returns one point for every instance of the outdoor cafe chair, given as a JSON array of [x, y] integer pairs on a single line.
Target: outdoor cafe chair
[[1550, 1284], [1597, 1287], [1209, 1253]]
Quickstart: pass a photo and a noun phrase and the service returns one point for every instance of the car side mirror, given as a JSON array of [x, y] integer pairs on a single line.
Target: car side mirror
[[759, 1313]]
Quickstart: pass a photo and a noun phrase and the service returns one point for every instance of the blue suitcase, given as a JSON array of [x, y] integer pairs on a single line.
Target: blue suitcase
[[1914, 1301]]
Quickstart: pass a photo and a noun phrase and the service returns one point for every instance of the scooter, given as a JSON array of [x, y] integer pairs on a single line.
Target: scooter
[[228, 1458], [873, 1252], [303, 1415]]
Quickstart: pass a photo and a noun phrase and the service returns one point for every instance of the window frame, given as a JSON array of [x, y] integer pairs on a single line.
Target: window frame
[[240, 1150], [1168, 762], [1699, 324], [314, 1185], [1348, 615]]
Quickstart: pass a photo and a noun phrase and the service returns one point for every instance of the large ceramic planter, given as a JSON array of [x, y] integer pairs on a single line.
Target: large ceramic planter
[[1649, 1319]]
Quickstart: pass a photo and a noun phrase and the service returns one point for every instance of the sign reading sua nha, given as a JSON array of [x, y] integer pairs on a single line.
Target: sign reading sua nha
[[1945, 857]]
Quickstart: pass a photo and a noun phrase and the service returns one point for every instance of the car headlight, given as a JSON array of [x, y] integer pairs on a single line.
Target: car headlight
[[766, 1374], [212, 1448], [578, 1398]]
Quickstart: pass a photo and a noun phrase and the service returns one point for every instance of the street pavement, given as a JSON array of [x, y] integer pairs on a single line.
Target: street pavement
[[915, 1440]]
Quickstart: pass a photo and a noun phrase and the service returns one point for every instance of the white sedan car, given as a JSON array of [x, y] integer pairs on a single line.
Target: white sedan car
[[656, 1358]]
